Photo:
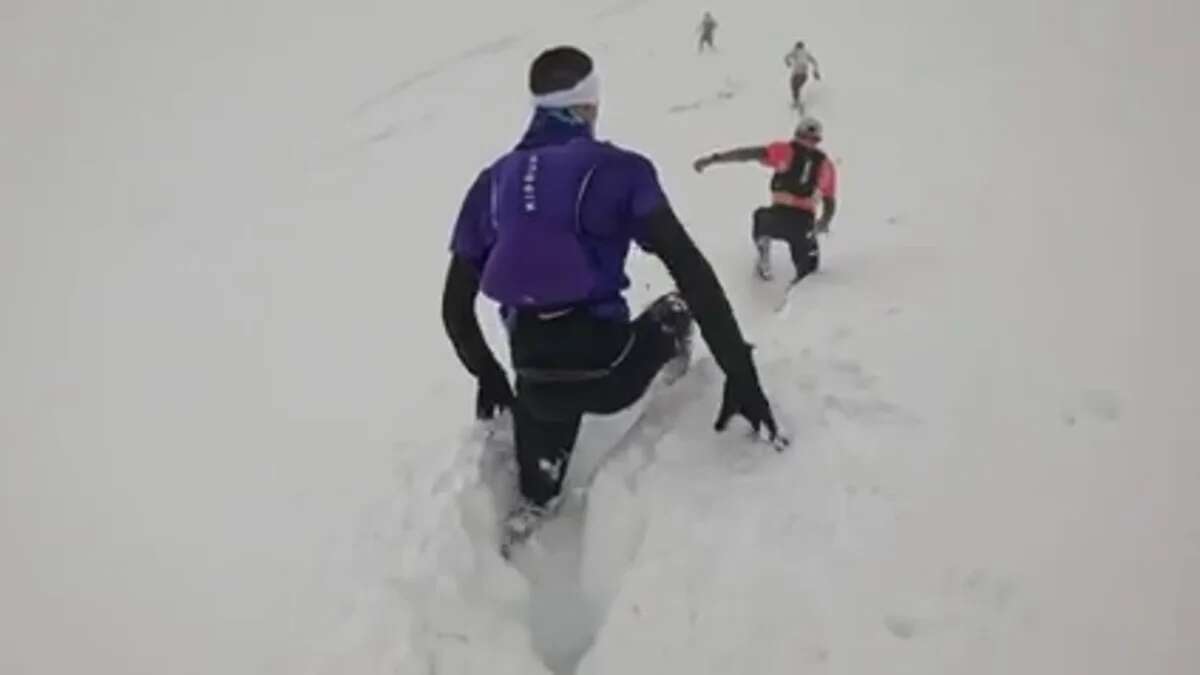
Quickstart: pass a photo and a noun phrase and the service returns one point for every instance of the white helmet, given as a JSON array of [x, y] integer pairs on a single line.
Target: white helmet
[[810, 127]]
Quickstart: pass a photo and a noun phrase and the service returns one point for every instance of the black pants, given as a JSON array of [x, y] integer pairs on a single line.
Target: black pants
[[797, 228], [548, 413], [798, 80], [706, 40]]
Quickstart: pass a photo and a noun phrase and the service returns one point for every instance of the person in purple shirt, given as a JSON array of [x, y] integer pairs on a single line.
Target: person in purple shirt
[[545, 231]]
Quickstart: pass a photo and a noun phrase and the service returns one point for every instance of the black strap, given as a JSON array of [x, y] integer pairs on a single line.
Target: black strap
[[555, 376]]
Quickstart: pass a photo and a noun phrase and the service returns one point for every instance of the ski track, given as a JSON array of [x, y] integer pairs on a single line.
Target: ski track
[[443, 68]]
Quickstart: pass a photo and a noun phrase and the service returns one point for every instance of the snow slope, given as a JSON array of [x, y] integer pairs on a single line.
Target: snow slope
[[233, 438]]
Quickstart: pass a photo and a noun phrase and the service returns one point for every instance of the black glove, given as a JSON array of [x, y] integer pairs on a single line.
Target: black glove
[[494, 395], [701, 164], [744, 396]]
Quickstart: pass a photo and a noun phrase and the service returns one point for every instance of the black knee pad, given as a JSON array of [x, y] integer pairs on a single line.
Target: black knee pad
[[764, 224]]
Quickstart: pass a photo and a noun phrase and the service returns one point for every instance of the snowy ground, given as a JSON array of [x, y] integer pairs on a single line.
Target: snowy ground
[[234, 440]]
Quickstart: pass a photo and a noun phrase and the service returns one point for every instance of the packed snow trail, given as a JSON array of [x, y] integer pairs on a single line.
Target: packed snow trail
[[699, 553], [233, 438]]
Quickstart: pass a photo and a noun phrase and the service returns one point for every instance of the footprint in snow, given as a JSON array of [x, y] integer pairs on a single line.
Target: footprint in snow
[[1103, 405], [978, 602]]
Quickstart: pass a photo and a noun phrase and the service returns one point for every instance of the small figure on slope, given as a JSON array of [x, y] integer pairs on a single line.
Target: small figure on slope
[[544, 231], [707, 30], [804, 178], [800, 60]]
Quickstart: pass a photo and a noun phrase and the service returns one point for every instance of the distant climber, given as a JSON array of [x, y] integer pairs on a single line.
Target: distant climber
[[707, 30], [804, 178], [800, 60]]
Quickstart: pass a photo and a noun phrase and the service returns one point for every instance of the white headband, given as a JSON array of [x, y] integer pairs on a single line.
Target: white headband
[[586, 92]]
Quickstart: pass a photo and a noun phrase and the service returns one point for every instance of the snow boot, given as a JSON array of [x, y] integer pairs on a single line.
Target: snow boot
[[520, 524]]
